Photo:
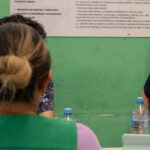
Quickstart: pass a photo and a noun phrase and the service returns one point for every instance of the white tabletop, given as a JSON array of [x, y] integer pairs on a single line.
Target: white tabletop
[[113, 148]]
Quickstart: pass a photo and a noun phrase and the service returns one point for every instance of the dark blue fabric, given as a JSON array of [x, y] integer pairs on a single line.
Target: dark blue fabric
[[47, 101], [147, 87]]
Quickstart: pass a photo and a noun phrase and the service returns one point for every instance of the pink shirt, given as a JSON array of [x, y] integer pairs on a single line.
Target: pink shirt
[[86, 139]]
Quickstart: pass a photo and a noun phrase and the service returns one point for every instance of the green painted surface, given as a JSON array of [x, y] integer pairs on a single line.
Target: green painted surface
[[97, 76]]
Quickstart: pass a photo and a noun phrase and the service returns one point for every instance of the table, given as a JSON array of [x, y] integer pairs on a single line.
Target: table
[[113, 148]]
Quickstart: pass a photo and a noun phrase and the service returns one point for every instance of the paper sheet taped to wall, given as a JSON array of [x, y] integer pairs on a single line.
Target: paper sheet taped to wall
[[88, 18]]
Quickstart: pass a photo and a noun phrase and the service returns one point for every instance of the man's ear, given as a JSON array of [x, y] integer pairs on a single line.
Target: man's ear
[[44, 83]]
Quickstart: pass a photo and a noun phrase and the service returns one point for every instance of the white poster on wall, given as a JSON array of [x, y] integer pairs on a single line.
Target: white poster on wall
[[88, 18]]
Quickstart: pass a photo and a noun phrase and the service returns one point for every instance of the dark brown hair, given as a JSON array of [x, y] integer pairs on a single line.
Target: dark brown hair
[[17, 18]]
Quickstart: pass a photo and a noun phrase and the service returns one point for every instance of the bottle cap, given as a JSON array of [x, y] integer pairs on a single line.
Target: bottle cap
[[67, 111], [140, 99]]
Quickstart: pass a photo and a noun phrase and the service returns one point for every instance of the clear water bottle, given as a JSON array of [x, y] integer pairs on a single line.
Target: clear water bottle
[[139, 119], [68, 115]]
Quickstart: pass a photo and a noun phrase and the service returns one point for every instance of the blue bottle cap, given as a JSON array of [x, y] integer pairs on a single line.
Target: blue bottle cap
[[67, 111], [140, 99]]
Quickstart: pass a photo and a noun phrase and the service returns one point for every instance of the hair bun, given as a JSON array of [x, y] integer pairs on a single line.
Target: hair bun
[[15, 72]]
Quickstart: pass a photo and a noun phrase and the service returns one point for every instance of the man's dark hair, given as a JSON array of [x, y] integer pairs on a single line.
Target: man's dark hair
[[17, 18]]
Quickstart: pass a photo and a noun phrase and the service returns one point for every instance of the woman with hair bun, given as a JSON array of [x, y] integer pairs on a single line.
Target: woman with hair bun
[[46, 105], [24, 75]]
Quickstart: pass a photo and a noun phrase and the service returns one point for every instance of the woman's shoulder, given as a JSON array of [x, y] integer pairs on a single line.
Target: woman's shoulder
[[87, 139]]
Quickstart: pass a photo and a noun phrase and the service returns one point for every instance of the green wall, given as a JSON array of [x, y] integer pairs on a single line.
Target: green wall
[[97, 76]]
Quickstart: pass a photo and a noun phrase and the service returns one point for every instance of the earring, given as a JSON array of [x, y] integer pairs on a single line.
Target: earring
[[42, 92]]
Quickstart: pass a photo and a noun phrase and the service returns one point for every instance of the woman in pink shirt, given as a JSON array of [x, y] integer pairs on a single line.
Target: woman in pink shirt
[[24, 75]]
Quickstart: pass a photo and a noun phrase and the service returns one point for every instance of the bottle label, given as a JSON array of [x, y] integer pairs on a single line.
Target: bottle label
[[132, 122]]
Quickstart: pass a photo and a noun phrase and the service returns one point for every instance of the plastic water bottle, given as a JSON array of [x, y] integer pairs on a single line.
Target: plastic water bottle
[[68, 115], [139, 119]]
